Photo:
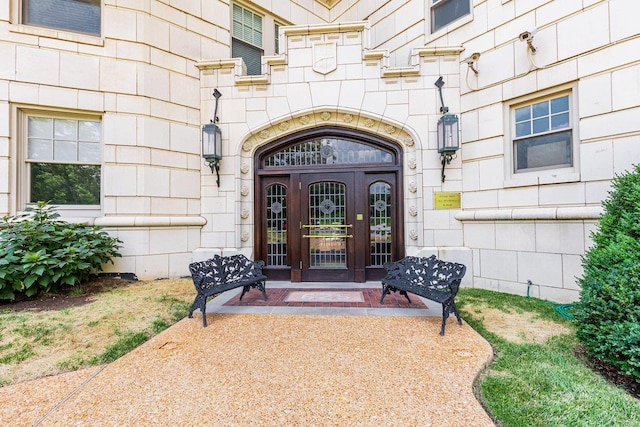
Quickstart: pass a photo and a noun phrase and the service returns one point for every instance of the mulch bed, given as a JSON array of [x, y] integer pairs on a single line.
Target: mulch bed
[[609, 372], [67, 296]]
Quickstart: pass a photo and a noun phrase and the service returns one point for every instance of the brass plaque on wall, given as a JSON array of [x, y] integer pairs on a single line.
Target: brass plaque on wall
[[446, 200]]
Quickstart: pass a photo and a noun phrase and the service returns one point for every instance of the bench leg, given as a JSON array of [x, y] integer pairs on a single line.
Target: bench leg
[[196, 304], [263, 290], [446, 309], [406, 296], [385, 291], [449, 306], [445, 316], [203, 309], [454, 308], [201, 303], [259, 285]]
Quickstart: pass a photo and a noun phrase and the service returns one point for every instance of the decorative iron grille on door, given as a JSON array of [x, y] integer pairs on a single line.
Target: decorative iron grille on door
[[276, 225], [380, 222], [328, 151], [327, 228]]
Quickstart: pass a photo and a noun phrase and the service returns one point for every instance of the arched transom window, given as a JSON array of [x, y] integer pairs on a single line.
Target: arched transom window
[[328, 151]]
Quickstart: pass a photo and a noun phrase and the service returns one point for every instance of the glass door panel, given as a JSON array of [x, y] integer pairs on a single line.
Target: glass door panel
[[276, 207], [327, 225], [380, 226]]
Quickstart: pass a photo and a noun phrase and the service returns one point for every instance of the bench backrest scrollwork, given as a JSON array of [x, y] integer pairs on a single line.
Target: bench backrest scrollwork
[[221, 270], [427, 271]]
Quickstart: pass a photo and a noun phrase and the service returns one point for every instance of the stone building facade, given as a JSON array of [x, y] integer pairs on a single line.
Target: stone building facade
[[329, 112]]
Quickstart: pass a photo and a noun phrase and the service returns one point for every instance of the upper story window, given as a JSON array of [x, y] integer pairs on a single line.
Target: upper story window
[[62, 159], [276, 29], [82, 16], [247, 38], [443, 12], [543, 135]]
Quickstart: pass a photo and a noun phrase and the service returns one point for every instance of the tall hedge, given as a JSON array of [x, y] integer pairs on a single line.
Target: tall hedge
[[608, 312]]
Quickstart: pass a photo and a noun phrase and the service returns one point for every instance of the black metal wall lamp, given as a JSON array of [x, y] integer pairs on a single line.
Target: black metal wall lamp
[[212, 141], [447, 131]]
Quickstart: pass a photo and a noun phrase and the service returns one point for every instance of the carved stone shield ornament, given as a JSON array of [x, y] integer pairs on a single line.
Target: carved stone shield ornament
[[325, 57]]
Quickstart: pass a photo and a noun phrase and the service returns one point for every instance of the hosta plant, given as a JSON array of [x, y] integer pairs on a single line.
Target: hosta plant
[[40, 252]]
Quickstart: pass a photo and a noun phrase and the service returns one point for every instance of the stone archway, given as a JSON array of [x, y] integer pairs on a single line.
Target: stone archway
[[329, 205]]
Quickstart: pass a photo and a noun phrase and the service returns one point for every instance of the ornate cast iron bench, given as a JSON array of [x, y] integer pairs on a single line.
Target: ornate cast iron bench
[[430, 278], [220, 274]]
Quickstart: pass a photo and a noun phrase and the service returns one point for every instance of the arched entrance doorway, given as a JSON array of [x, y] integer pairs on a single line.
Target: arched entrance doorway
[[328, 206]]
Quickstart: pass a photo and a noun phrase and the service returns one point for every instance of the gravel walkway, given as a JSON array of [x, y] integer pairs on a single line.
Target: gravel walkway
[[272, 370]]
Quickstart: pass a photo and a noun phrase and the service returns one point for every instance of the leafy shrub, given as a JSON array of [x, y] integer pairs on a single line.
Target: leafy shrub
[[41, 252], [608, 313]]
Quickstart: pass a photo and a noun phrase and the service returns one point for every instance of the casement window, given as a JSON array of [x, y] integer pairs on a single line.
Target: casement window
[[443, 12], [246, 40], [542, 134], [81, 16], [62, 159]]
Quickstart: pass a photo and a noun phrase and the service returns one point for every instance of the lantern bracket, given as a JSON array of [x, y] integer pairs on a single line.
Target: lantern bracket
[[439, 83]]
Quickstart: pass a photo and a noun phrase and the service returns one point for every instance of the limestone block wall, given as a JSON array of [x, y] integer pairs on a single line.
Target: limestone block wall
[[363, 91], [536, 226], [139, 78]]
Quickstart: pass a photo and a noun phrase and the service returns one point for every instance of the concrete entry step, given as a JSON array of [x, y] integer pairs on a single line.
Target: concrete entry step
[[318, 303]]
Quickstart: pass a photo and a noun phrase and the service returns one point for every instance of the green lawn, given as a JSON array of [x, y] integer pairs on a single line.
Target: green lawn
[[542, 383]]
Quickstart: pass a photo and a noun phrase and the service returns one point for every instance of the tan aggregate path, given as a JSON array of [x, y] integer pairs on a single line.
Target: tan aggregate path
[[272, 370]]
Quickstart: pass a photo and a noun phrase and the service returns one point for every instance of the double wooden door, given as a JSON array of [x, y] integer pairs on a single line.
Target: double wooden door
[[328, 226]]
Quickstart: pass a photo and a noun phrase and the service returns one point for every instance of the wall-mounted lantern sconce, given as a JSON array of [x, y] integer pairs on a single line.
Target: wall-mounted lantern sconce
[[212, 141], [447, 131]]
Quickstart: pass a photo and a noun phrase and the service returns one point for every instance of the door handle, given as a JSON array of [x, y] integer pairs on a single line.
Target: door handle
[[327, 226], [323, 236]]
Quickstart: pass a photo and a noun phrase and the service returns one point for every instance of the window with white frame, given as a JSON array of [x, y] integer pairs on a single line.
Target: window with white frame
[[62, 159], [247, 38], [82, 16], [542, 134], [443, 12]]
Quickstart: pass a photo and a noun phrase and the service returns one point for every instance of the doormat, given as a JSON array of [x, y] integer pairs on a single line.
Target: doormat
[[324, 296], [278, 297]]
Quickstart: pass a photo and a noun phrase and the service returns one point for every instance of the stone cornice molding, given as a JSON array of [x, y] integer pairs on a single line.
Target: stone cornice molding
[[218, 63], [341, 27], [438, 50], [150, 221], [371, 57], [532, 214]]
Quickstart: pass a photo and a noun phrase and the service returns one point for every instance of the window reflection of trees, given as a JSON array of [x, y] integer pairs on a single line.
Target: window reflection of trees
[[65, 184]]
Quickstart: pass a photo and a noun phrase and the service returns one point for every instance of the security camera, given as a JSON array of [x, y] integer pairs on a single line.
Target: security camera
[[473, 58], [525, 36]]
